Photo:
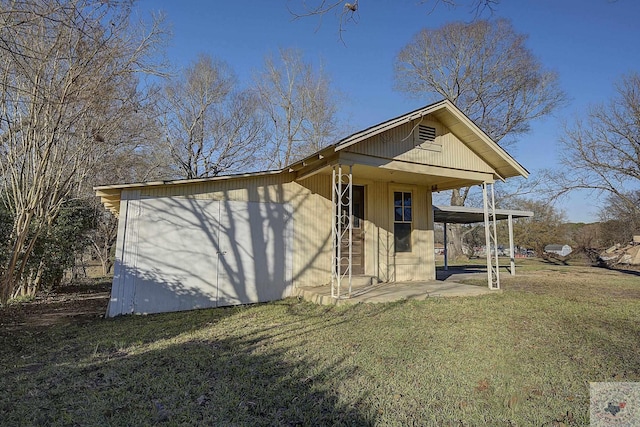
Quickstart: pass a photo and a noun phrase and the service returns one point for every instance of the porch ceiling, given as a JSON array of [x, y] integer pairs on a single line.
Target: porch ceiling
[[434, 181], [400, 172]]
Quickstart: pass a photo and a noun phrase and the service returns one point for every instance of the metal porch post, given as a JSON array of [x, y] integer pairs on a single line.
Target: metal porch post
[[446, 249], [335, 247], [511, 248], [493, 273], [342, 227], [350, 224]]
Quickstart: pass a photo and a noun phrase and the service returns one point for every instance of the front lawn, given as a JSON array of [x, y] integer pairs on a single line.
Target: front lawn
[[521, 357]]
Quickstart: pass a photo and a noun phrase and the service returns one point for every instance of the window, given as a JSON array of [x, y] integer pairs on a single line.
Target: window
[[403, 217]]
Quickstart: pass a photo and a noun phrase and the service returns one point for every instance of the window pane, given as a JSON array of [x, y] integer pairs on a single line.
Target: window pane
[[402, 237], [407, 199], [398, 214], [407, 214], [397, 198]]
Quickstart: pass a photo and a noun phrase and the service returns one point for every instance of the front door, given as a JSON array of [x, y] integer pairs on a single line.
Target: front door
[[357, 245]]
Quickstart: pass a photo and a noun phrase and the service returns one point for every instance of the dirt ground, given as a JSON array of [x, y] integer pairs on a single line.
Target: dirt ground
[[75, 303]]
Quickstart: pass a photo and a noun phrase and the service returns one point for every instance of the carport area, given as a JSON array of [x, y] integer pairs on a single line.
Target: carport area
[[468, 215]]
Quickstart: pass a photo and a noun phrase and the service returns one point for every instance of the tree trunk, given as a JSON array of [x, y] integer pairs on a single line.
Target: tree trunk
[[106, 266], [455, 250]]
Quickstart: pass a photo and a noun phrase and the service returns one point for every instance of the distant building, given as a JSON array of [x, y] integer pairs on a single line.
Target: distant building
[[562, 250], [483, 250]]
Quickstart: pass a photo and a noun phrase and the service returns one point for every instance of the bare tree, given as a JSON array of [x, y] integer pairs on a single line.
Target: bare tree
[[210, 127], [487, 71], [68, 81], [102, 238], [544, 228], [299, 104], [602, 152], [620, 217], [347, 12]]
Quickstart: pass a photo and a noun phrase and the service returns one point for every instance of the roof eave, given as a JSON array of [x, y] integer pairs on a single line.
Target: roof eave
[[184, 181]]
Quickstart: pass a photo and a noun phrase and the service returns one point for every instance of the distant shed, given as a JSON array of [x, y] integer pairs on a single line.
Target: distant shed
[[562, 250]]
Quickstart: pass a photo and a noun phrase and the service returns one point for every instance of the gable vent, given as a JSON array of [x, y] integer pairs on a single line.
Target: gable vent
[[424, 138], [426, 134]]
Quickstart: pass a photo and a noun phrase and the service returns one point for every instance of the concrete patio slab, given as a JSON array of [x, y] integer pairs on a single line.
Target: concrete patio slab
[[388, 292]]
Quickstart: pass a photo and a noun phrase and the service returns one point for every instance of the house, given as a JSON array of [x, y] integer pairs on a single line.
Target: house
[[562, 250], [360, 207]]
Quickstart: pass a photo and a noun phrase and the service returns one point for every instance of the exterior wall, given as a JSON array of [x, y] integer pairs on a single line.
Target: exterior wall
[[310, 200], [381, 261], [398, 143], [311, 204], [178, 253], [121, 293]]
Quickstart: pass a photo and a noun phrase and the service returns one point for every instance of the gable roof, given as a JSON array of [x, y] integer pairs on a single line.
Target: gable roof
[[456, 121], [444, 111]]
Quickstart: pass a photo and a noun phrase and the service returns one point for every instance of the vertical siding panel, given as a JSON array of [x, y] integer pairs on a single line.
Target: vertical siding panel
[[311, 251], [398, 143], [376, 234], [312, 229]]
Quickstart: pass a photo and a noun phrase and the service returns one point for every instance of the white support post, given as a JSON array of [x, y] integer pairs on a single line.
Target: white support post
[[487, 239], [511, 248], [446, 249], [493, 273], [350, 225], [341, 199], [334, 236], [493, 225]]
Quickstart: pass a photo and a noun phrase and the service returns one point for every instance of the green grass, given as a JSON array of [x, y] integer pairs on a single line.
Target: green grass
[[522, 357]]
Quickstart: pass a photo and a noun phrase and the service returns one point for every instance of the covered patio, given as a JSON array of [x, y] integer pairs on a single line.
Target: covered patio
[[470, 215], [396, 291]]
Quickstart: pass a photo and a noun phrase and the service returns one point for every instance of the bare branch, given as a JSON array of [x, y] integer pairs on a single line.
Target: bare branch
[[210, 127], [299, 105], [603, 150], [68, 77], [347, 12]]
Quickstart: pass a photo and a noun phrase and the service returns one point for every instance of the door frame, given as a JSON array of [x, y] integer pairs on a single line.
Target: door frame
[[363, 201]]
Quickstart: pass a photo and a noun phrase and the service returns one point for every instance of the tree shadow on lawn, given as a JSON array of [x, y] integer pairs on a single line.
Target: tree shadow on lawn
[[240, 379], [626, 271]]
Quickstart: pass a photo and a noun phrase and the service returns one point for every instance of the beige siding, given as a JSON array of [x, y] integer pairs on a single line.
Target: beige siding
[[311, 204], [398, 143], [310, 200], [267, 188], [378, 239], [381, 260], [312, 231], [413, 265]]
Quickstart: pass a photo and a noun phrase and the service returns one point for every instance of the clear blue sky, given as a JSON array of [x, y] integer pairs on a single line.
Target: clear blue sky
[[590, 43]]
